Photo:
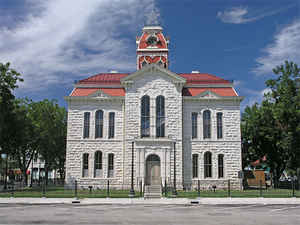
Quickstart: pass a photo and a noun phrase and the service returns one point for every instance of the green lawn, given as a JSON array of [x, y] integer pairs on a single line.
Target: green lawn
[[60, 192], [270, 193]]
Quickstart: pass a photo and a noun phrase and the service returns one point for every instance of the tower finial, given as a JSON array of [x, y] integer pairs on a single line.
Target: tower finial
[[153, 17]]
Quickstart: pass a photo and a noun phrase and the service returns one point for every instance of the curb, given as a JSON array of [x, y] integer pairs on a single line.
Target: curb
[[142, 201]]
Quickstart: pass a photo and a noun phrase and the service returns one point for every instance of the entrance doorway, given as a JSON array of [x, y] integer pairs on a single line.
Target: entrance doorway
[[153, 170]]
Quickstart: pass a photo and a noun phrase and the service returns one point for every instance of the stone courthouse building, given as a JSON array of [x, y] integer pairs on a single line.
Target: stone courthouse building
[[151, 115]]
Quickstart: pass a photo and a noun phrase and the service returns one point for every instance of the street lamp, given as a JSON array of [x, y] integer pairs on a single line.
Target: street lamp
[[31, 180], [174, 189], [4, 156], [131, 193]]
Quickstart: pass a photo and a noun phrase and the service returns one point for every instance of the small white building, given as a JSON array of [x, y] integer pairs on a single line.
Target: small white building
[[153, 112], [37, 171]]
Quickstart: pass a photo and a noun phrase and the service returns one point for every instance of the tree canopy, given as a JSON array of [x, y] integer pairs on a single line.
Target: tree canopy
[[272, 129]]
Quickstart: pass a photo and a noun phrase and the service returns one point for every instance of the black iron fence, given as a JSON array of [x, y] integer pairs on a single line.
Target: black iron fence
[[108, 188]]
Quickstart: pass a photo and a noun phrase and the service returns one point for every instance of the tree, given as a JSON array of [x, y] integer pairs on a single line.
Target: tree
[[8, 82], [273, 128], [24, 140], [261, 137], [285, 96], [50, 123]]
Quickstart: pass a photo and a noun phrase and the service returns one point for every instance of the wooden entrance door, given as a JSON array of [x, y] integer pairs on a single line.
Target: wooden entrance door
[[153, 170]]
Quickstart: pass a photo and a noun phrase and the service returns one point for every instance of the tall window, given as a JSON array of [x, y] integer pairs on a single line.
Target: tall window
[[110, 165], [221, 166], [195, 165], [99, 124], [207, 165], [194, 125], [206, 124], [85, 165], [86, 125], [219, 125], [111, 125], [98, 164], [160, 116], [145, 116]]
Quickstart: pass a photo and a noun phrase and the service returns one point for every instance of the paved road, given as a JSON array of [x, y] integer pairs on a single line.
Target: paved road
[[150, 214]]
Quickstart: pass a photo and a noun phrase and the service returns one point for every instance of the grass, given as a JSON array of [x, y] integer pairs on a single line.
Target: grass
[[269, 193], [60, 192]]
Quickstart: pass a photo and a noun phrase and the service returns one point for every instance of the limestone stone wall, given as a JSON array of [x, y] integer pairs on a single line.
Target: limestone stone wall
[[178, 129], [229, 145], [77, 145], [154, 84]]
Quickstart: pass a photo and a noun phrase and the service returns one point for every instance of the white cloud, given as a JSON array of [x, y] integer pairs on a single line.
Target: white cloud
[[68, 39], [286, 46], [233, 15], [241, 15], [253, 96]]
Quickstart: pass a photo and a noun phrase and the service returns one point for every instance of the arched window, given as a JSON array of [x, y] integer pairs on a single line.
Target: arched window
[[220, 165], [110, 168], [207, 165], [86, 125], [206, 124], [111, 125], [195, 165], [99, 124], [85, 165], [160, 116], [145, 116], [219, 125], [98, 164]]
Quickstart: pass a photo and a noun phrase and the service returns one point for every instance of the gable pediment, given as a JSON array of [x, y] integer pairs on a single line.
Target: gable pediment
[[209, 94], [153, 68], [98, 94]]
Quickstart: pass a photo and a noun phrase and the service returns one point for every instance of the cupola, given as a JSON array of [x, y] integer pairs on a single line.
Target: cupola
[[152, 47]]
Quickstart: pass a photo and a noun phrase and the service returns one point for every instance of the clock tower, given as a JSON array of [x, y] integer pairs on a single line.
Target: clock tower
[[152, 47]]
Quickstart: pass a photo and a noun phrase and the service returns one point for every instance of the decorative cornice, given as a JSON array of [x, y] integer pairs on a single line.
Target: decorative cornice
[[153, 68], [219, 98], [96, 86], [152, 50], [211, 85], [93, 98]]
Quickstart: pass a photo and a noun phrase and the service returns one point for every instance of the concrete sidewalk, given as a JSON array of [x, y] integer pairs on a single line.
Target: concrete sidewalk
[[161, 201]]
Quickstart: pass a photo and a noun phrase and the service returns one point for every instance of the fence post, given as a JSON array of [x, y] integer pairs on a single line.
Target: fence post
[[141, 188], [198, 188], [260, 188], [229, 194], [12, 190], [44, 188], [166, 188], [107, 193], [76, 196], [293, 186]]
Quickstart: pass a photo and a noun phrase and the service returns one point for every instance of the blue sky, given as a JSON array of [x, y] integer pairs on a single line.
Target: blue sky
[[52, 43]]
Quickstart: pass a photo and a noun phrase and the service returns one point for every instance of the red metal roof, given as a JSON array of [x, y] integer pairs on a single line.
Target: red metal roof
[[108, 91], [191, 78], [104, 79], [222, 91], [83, 91], [202, 78]]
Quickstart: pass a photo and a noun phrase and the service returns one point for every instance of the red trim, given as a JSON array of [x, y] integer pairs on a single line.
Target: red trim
[[89, 91], [228, 91]]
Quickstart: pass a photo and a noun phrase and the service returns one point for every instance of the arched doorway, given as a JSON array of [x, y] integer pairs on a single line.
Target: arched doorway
[[153, 170]]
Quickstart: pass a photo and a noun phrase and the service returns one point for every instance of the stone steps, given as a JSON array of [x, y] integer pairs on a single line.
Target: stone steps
[[152, 191]]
